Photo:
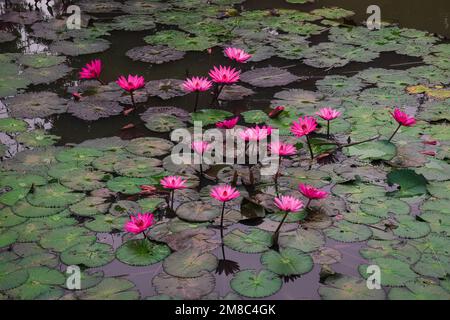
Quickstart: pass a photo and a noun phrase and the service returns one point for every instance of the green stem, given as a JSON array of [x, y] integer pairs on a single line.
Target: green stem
[[394, 132], [171, 202], [221, 220], [328, 129], [310, 148], [275, 235], [132, 99]]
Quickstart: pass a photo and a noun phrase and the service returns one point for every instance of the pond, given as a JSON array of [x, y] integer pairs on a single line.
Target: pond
[[87, 183]]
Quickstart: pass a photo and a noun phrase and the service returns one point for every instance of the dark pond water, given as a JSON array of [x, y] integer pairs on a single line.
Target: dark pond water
[[432, 16]]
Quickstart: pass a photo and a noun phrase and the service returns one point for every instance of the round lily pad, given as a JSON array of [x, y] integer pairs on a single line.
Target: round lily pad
[[287, 262], [80, 46], [8, 237], [409, 227], [41, 60], [79, 155], [252, 240], [189, 263], [37, 138], [84, 180], [344, 287], [164, 123], [111, 289], [106, 223], [90, 206], [142, 252], [306, 240], [36, 104], [380, 207], [393, 272], [128, 185], [26, 210], [11, 125], [138, 167], [61, 239], [155, 54], [53, 195], [390, 249], [165, 88], [197, 211], [268, 77], [8, 218], [87, 254], [253, 284], [348, 232], [210, 116], [91, 108], [421, 289], [149, 146], [432, 265], [11, 276], [326, 256], [374, 150], [46, 75], [184, 288]]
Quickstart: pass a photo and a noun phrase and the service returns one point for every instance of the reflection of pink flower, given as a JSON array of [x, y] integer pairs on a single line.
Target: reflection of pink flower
[[197, 84], [312, 193], [140, 223], [328, 114], [227, 124], [224, 75], [304, 126], [200, 146], [288, 203], [131, 83], [173, 182], [224, 193], [237, 54], [282, 149], [256, 133], [91, 70], [402, 118]]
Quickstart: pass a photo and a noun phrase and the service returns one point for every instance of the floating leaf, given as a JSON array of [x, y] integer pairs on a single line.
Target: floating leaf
[[111, 289], [374, 150], [348, 232], [184, 288], [343, 287], [53, 195], [155, 54], [80, 46], [421, 289], [210, 116], [433, 265], [255, 116], [128, 185], [149, 146], [91, 108], [11, 276], [32, 105], [287, 262], [409, 227], [89, 255], [253, 284], [381, 207], [63, 238], [37, 138], [189, 263], [391, 249], [164, 123], [410, 183], [306, 240], [393, 272], [249, 241], [11, 125], [268, 77], [142, 252]]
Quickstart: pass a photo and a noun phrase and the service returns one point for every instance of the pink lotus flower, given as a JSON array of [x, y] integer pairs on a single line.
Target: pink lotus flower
[[282, 149], [132, 83], [224, 193], [224, 75], [328, 114], [304, 126], [402, 118], [256, 133], [276, 112], [312, 193], [288, 204], [197, 84], [91, 70], [237, 54], [173, 182], [428, 153], [140, 223], [227, 124], [200, 146]]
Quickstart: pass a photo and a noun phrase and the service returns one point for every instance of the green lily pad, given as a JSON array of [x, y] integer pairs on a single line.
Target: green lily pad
[[11, 125], [210, 116], [26, 210], [287, 262], [374, 150], [142, 252], [252, 240], [36, 104], [342, 287], [393, 272], [37, 138], [381, 207], [189, 263], [8, 237], [11, 276], [41, 60], [42, 283], [339, 85], [391, 249], [8, 218], [87, 254], [164, 123], [253, 284], [197, 211], [111, 289], [139, 167], [92, 108], [79, 155], [61, 239], [80, 46], [154, 54], [306, 240], [84, 180], [411, 228], [421, 289], [348, 232], [128, 185], [268, 77], [53, 195], [181, 41], [255, 116], [411, 184], [184, 288], [106, 223], [149, 147]]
